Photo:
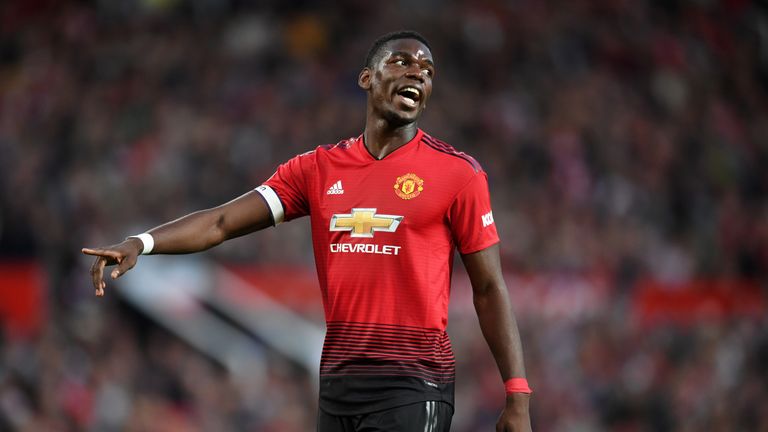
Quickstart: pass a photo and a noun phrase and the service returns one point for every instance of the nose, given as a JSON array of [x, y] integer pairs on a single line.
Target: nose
[[415, 72]]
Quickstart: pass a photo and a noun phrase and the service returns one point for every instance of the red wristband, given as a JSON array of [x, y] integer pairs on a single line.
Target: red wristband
[[517, 385]]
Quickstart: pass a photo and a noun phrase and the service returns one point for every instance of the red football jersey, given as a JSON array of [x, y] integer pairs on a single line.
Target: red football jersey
[[384, 233]]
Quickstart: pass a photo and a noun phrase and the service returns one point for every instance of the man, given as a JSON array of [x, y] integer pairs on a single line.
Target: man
[[387, 209]]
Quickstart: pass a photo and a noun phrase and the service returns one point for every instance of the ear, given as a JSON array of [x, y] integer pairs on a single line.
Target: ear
[[364, 80]]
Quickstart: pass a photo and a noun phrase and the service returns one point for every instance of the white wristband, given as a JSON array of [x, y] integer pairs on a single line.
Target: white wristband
[[147, 241]]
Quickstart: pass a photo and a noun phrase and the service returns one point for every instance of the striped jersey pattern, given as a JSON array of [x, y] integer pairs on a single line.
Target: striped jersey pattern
[[384, 349], [448, 149]]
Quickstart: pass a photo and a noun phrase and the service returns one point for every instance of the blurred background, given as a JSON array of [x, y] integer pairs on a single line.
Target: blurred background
[[626, 143]]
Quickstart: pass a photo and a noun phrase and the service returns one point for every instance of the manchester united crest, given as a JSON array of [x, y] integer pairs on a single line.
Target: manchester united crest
[[409, 186]]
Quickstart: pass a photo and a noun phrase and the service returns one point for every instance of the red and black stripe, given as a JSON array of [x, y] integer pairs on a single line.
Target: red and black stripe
[[446, 148], [343, 144], [366, 349]]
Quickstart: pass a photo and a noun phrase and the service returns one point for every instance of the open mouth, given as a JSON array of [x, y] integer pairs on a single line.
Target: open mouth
[[410, 96]]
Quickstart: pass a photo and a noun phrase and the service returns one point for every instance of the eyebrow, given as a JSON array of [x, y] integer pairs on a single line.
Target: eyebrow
[[407, 54]]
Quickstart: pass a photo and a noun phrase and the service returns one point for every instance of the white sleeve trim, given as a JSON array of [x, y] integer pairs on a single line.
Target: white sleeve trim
[[273, 201]]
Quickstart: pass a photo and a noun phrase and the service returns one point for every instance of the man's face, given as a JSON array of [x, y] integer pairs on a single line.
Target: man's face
[[400, 82]]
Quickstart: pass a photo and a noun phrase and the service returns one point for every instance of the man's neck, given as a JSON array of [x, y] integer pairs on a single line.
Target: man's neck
[[382, 139]]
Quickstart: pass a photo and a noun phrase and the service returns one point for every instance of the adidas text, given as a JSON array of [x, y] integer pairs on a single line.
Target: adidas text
[[335, 189]]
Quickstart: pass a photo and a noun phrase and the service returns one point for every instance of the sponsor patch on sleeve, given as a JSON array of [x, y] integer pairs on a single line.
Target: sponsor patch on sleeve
[[487, 219]]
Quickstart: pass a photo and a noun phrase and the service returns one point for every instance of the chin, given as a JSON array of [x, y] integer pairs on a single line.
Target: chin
[[401, 118]]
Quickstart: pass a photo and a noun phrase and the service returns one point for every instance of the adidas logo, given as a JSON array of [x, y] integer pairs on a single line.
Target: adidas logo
[[336, 189]]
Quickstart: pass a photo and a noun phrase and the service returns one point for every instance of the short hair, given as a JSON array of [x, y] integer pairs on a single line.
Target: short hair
[[375, 49]]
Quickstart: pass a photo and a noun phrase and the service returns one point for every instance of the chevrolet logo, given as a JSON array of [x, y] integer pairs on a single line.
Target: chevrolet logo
[[362, 222]]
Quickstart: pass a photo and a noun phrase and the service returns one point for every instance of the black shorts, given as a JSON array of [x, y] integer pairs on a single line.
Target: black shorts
[[430, 416]]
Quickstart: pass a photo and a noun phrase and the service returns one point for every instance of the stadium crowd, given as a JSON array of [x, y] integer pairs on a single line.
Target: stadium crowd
[[622, 138]]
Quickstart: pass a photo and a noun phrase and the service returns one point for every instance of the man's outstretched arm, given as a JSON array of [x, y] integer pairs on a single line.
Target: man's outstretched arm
[[194, 232], [499, 328]]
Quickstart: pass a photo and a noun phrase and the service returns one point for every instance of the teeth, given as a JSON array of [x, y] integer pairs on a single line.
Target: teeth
[[410, 95], [412, 91]]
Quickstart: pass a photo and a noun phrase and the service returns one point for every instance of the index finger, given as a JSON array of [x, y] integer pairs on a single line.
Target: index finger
[[102, 253]]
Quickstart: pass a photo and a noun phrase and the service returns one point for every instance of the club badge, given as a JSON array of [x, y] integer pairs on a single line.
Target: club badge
[[408, 186]]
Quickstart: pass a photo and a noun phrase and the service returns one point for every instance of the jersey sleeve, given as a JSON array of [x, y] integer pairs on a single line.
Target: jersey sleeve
[[471, 218], [287, 191]]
